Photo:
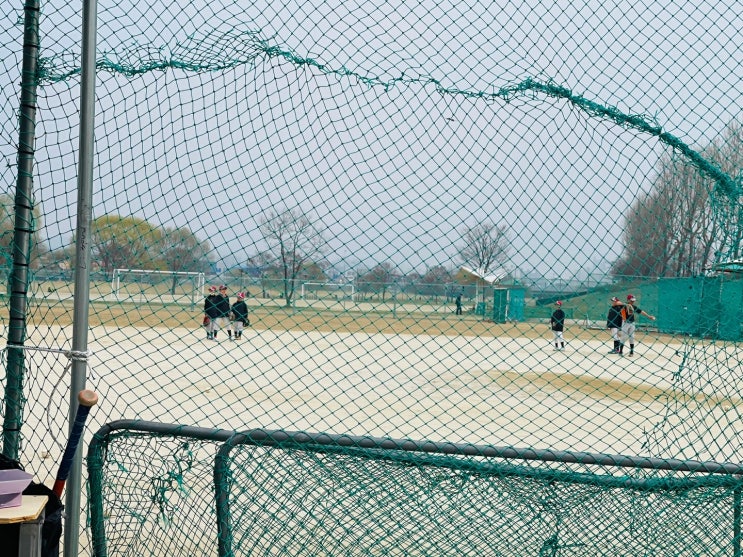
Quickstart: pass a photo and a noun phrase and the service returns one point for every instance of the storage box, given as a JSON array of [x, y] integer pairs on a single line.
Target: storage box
[[12, 484]]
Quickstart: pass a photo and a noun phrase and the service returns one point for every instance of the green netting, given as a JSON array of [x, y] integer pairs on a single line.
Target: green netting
[[355, 169], [307, 494], [709, 307]]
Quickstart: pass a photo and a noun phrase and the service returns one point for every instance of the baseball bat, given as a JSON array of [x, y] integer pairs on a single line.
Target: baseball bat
[[86, 400]]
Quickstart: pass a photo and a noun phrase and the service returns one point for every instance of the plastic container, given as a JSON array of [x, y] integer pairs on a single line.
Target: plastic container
[[12, 484]]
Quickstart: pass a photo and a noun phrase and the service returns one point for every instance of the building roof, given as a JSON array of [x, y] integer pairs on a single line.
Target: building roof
[[490, 278], [734, 266]]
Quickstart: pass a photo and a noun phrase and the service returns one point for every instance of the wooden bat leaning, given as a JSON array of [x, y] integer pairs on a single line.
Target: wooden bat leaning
[[86, 399]]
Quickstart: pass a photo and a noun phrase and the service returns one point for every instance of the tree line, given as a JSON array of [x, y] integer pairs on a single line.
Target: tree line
[[295, 253], [297, 248], [685, 222], [678, 228]]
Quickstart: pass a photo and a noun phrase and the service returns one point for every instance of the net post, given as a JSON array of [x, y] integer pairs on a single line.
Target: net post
[[22, 233], [737, 507], [82, 261]]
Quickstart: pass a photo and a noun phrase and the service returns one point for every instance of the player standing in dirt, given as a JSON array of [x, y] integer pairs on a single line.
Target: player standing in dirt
[[629, 311], [239, 314], [557, 324], [614, 323], [223, 307], [211, 313]]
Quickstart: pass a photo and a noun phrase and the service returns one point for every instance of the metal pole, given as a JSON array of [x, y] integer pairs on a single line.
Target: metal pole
[[394, 302], [82, 263], [22, 234], [736, 522]]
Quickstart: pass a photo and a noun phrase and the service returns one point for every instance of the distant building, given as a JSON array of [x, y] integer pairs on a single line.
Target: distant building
[[255, 271], [733, 266]]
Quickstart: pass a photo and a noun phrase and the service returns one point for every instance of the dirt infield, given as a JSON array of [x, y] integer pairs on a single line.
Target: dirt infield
[[450, 379], [512, 390], [400, 373], [361, 318]]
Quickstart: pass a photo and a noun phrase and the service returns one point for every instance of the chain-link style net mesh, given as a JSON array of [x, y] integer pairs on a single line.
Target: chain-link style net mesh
[[300, 494], [403, 193]]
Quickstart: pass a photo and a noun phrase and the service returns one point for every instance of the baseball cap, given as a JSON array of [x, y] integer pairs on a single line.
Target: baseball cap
[[558, 303], [615, 299], [223, 287], [212, 289], [631, 298], [241, 295]]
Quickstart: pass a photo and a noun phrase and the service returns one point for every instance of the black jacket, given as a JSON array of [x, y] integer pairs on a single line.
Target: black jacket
[[557, 321], [211, 306], [240, 310], [614, 319], [223, 306]]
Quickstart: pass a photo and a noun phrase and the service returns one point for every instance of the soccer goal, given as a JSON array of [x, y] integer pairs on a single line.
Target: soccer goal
[[327, 292], [147, 285]]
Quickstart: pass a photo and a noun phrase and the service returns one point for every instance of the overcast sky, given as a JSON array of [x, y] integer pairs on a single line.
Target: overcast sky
[[385, 124]]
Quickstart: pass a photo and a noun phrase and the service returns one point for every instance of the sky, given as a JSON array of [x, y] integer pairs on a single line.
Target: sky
[[385, 124]]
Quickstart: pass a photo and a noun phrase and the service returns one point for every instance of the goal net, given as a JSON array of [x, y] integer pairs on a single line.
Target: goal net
[[147, 285], [327, 292]]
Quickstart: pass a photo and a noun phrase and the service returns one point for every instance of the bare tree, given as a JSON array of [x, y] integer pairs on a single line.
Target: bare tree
[[294, 241], [378, 279], [727, 206], [687, 220], [436, 281], [667, 230], [485, 247], [646, 239], [263, 264], [485, 250]]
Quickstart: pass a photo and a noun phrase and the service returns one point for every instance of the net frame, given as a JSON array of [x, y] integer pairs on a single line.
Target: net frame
[[197, 279]]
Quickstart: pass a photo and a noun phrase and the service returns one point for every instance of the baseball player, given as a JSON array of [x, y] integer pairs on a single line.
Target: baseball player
[[557, 323], [239, 314], [211, 313], [223, 308], [629, 311], [614, 323]]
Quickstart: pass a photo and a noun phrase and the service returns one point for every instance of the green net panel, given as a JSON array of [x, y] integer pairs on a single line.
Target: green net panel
[[403, 192], [294, 493]]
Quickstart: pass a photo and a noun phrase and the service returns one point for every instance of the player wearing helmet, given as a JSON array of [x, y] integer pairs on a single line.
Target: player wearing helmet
[[239, 314], [629, 311], [614, 323], [557, 324], [223, 307], [211, 312]]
